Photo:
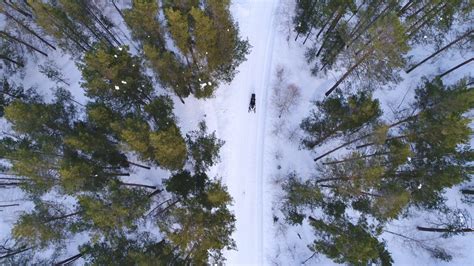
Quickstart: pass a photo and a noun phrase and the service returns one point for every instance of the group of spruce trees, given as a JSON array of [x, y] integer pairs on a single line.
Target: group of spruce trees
[[377, 170], [72, 160], [371, 38]]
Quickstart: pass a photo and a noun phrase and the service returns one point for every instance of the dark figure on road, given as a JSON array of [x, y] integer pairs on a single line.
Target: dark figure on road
[[252, 106]]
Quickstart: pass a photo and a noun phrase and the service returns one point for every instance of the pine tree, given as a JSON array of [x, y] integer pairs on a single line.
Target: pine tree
[[205, 224], [299, 196], [345, 242], [112, 212], [56, 22], [169, 148], [203, 148], [46, 225], [116, 78], [339, 114], [143, 250], [379, 59]]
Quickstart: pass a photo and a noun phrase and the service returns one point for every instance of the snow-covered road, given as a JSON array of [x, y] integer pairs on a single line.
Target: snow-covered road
[[243, 154]]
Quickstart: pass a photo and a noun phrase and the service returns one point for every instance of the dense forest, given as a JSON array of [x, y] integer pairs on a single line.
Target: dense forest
[[79, 166], [380, 168], [73, 161]]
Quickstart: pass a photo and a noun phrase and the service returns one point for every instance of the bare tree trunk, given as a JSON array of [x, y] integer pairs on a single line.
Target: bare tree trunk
[[22, 42], [139, 165], [456, 67], [9, 205], [6, 58], [24, 13], [168, 207], [327, 179], [11, 184], [358, 191], [387, 140], [330, 29], [357, 158], [368, 25], [444, 230], [156, 192], [118, 10], [76, 41], [14, 253], [69, 260], [98, 20], [363, 137], [137, 185], [310, 257], [63, 216], [440, 50], [348, 72], [357, 11], [405, 7], [310, 17], [29, 30], [467, 191], [412, 30]]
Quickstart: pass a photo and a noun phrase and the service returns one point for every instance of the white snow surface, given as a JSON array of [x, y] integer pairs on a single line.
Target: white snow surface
[[261, 148]]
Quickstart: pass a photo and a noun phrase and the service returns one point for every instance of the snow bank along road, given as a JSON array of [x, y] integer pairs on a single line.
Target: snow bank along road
[[242, 157]]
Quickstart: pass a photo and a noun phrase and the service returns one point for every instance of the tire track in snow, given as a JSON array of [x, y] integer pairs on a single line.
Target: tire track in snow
[[264, 87]]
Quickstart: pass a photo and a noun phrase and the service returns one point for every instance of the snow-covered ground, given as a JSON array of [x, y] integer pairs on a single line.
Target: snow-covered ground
[[255, 156]]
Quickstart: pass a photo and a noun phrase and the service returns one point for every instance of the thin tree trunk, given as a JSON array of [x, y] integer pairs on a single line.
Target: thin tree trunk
[[330, 29], [310, 257], [357, 10], [139, 165], [363, 137], [455, 67], [14, 253], [421, 9], [358, 191], [440, 50], [137, 185], [412, 30], [22, 42], [13, 178], [348, 72], [324, 26], [168, 207], [405, 8], [118, 10], [9, 205], [307, 35], [327, 179], [156, 192], [24, 13], [118, 174], [358, 158], [387, 140], [444, 230], [309, 18], [157, 206], [12, 184], [368, 26], [65, 25], [63, 216], [6, 58], [69, 260], [102, 25], [29, 30], [467, 191]]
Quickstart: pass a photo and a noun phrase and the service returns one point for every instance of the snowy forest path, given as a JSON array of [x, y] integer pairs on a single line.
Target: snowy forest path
[[243, 155]]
